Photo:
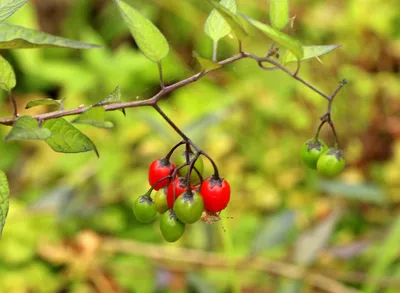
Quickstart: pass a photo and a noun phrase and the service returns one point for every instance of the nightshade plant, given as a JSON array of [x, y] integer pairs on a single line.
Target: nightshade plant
[[183, 195]]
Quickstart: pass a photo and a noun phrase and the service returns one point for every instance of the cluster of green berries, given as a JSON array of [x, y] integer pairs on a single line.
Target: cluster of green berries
[[315, 154], [182, 196]]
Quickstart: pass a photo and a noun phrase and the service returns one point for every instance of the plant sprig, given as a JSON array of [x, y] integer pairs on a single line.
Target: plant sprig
[[153, 101]]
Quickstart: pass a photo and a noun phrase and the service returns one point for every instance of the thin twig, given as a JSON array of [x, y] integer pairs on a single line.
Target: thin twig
[[297, 68], [14, 103], [285, 69], [327, 117], [170, 122], [262, 66], [341, 85], [334, 133], [319, 130], [215, 52], [184, 257], [160, 71]]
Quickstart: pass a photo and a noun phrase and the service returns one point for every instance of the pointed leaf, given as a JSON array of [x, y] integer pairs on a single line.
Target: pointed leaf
[[94, 116], [4, 201], [311, 242], [360, 192], [66, 138], [148, 37], [279, 13], [231, 18], [274, 232], [205, 63], [114, 97], [44, 102], [279, 37], [309, 52], [216, 27], [9, 7], [13, 37], [7, 75], [27, 128], [388, 253]]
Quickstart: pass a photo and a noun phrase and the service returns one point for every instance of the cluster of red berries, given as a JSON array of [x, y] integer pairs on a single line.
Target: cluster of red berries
[[315, 154], [182, 197]]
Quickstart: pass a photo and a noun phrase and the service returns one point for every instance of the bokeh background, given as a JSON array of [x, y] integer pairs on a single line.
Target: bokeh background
[[71, 226]]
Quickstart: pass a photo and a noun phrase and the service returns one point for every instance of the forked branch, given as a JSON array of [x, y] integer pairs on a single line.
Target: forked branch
[[170, 88]]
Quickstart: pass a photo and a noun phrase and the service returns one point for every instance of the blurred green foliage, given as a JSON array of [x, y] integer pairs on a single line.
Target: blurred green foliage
[[252, 122]]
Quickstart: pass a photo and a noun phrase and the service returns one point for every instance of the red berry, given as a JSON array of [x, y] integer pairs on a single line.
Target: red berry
[[216, 194], [159, 169], [180, 187]]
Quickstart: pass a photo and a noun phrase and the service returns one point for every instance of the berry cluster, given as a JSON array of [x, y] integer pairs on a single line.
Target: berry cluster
[[327, 161], [182, 196], [315, 154]]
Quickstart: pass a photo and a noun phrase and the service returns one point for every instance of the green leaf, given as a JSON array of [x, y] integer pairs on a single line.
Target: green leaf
[[148, 37], [27, 128], [7, 75], [309, 52], [66, 138], [290, 286], [114, 97], [14, 37], [231, 18], [311, 242], [279, 13], [94, 116], [388, 253], [274, 232], [216, 27], [4, 201], [9, 7], [206, 64], [396, 275], [45, 102], [366, 193], [279, 37], [199, 283]]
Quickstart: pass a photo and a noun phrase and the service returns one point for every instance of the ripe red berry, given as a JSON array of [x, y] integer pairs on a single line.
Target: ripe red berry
[[180, 187], [216, 193], [159, 169]]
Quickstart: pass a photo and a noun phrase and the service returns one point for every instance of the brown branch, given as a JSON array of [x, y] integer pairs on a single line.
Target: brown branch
[[167, 89], [182, 257], [361, 278]]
